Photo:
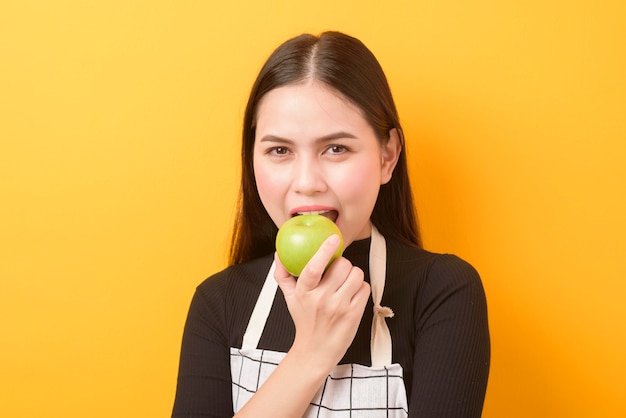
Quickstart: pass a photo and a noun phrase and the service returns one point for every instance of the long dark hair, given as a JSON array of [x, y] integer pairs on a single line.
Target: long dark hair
[[348, 66]]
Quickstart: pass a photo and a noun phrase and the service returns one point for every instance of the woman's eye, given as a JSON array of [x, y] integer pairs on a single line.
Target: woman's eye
[[279, 151], [337, 149]]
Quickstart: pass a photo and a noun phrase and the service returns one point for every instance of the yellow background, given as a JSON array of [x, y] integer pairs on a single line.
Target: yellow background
[[119, 130]]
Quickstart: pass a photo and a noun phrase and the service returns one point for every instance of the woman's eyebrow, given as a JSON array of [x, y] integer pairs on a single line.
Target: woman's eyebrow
[[323, 139], [336, 135], [275, 138]]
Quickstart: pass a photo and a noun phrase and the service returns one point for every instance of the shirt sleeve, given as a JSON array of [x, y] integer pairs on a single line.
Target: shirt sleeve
[[204, 381], [452, 348]]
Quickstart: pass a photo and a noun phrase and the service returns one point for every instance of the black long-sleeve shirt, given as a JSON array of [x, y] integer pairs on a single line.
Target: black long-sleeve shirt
[[439, 332]]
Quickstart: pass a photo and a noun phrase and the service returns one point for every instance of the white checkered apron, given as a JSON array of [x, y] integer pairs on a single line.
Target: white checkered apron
[[351, 390]]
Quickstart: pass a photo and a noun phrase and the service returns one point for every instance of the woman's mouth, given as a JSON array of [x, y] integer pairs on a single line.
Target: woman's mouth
[[330, 214]]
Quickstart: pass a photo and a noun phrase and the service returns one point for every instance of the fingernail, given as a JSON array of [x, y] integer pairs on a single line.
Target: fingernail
[[333, 239]]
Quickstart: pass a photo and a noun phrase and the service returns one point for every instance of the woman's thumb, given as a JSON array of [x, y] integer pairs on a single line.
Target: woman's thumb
[[286, 281]]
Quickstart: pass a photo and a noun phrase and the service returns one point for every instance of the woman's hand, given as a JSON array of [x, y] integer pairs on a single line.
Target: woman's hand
[[326, 307]]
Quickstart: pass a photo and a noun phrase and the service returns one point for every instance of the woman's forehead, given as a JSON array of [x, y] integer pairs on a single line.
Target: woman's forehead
[[308, 112]]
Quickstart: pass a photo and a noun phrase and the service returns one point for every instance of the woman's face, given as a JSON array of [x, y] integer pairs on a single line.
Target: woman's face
[[314, 152]]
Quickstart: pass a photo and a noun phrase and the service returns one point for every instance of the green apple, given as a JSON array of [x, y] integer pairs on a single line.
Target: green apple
[[299, 239]]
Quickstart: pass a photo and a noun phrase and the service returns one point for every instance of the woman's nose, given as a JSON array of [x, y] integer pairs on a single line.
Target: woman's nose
[[308, 177]]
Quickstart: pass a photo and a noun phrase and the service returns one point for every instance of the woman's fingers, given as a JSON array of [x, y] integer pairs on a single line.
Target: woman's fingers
[[314, 269], [352, 280]]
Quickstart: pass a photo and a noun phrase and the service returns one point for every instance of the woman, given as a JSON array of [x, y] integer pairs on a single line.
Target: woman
[[321, 135]]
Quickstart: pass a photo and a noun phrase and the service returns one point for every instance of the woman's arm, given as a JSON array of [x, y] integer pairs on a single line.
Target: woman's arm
[[204, 386], [326, 308], [452, 350]]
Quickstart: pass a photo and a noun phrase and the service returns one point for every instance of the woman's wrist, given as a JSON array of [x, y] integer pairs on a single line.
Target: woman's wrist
[[290, 389]]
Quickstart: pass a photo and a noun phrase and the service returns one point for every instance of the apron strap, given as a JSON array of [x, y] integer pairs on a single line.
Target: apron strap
[[380, 338], [261, 311]]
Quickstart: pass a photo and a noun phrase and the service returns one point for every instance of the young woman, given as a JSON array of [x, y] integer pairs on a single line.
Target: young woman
[[389, 329]]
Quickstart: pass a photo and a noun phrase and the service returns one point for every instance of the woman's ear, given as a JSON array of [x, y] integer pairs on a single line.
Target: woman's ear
[[390, 154]]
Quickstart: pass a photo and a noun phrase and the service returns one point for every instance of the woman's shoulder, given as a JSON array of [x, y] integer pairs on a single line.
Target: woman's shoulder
[[429, 265], [239, 277], [228, 296], [433, 280]]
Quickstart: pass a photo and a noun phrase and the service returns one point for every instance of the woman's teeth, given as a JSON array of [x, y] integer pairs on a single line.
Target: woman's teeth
[[330, 214], [313, 212]]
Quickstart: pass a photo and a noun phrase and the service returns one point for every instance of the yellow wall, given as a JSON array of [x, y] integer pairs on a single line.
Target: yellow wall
[[119, 125]]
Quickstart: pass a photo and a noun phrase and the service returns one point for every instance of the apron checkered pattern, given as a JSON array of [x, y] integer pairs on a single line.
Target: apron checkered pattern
[[351, 390]]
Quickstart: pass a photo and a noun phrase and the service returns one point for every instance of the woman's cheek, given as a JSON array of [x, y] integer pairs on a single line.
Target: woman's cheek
[[271, 184]]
